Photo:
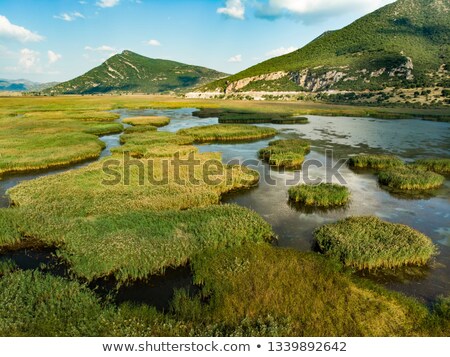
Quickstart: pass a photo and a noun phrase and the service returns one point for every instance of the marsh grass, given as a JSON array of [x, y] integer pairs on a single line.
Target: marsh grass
[[28, 144], [148, 144], [370, 243], [7, 266], [268, 291], [9, 231], [34, 304], [136, 245], [227, 133], [288, 154], [322, 195], [439, 166], [410, 179], [376, 162], [157, 121], [139, 129]]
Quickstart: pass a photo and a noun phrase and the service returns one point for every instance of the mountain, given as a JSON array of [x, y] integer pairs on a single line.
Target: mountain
[[402, 45], [23, 85], [130, 72]]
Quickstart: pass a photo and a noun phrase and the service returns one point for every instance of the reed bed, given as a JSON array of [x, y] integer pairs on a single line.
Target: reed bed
[[157, 121], [322, 195], [288, 154], [265, 291], [439, 166], [9, 231], [370, 243], [139, 244], [227, 133], [410, 179], [376, 162], [28, 144]]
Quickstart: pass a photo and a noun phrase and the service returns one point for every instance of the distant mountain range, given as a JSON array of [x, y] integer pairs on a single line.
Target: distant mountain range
[[23, 85], [402, 45], [131, 72]]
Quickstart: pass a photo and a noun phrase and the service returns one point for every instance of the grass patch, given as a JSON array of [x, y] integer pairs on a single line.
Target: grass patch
[[7, 266], [369, 243], [9, 233], [35, 143], [288, 154], [136, 245], [33, 304], [267, 291], [410, 179], [157, 121], [293, 120], [439, 166], [139, 129], [227, 133], [323, 195], [376, 162], [150, 144]]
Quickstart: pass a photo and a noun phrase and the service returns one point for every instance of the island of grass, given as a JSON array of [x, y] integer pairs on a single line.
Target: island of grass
[[323, 195], [288, 154], [370, 243], [376, 162], [439, 166], [227, 133], [410, 179], [157, 121]]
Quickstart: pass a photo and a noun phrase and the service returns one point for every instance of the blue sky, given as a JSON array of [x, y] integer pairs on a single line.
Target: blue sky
[[57, 40]]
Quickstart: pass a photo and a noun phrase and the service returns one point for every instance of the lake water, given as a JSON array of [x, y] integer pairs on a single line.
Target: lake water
[[334, 139]]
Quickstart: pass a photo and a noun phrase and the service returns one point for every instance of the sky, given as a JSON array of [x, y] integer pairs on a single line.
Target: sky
[[57, 40]]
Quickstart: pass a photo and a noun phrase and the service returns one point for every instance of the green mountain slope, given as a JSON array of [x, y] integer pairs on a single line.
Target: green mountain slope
[[403, 45], [130, 72]]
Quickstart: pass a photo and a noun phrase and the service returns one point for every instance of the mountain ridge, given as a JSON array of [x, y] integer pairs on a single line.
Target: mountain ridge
[[401, 45], [131, 72]]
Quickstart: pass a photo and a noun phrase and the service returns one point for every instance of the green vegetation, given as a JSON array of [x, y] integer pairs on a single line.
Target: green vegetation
[[136, 245], [369, 243], [439, 166], [156, 121], [265, 291], [148, 144], [43, 139], [7, 266], [323, 195], [288, 154], [376, 162], [410, 178], [293, 120], [227, 133], [244, 292], [130, 72], [9, 234], [371, 53], [139, 129], [33, 304]]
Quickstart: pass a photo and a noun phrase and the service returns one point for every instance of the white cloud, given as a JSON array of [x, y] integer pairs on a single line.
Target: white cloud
[[281, 51], [107, 3], [53, 57], [102, 48], [155, 43], [69, 16], [278, 8], [234, 9], [9, 30], [235, 59], [29, 61]]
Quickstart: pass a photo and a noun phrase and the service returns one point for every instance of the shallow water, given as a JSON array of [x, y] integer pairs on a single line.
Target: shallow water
[[345, 136]]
